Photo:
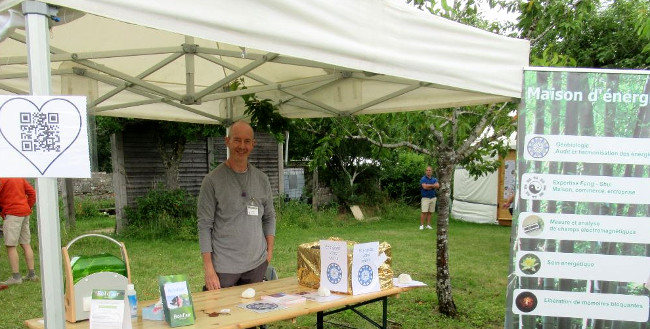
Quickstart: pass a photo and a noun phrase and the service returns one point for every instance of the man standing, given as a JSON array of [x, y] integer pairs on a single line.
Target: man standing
[[17, 198], [428, 184], [236, 218]]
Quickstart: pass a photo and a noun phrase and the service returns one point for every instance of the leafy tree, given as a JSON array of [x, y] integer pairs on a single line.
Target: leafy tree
[[346, 164], [587, 33], [401, 171], [265, 116], [468, 136]]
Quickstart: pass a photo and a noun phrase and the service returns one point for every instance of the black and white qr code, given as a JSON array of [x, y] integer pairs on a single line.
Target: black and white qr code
[[39, 132]]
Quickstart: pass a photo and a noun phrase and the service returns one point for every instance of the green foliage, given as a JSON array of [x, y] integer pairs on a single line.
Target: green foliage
[[400, 175], [609, 34], [86, 208], [352, 149], [461, 129], [350, 167], [103, 144], [365, 191], [265, 116], [608, 39], [163, 213]]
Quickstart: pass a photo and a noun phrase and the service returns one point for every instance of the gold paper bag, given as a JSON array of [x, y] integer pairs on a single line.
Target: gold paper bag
[[309, 265]]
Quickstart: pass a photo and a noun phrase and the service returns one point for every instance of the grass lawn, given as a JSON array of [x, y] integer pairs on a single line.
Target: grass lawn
[[478, 265]]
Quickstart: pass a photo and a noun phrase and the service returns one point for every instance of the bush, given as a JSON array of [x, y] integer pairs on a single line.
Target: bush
[[88, 208], [401, 178], [163, 213]]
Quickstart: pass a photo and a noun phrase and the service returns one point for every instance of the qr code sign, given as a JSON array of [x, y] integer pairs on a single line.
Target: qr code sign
[[40, 132]]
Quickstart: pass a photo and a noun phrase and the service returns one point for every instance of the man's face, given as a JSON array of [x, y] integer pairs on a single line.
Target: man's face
[[429, 172], [240, 142]]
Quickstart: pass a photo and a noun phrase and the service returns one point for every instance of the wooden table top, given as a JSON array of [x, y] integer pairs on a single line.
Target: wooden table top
[[207, 302]]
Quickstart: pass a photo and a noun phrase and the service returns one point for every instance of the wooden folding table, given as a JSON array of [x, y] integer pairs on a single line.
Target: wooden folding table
[[209, 303]]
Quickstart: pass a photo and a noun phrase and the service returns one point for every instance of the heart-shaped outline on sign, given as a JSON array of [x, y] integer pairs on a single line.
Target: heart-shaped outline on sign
[[40, 109]]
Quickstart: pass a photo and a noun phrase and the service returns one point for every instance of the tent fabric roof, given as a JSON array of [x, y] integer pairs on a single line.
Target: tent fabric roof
[[172, 60]]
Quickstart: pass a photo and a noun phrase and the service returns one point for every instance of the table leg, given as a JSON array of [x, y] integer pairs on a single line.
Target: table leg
[[319, 320], [385, 313]]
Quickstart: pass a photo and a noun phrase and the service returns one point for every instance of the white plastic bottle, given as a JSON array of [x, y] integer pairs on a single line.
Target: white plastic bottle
[[133, 300]]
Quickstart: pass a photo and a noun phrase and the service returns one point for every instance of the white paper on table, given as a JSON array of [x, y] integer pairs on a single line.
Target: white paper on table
[[365, 275], [413, 283], [334, 265], [109, 314], [314, 296]]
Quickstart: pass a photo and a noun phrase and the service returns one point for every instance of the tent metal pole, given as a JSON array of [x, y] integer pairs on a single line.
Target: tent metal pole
[[189, 66], [49, 231], [251, 66], [142, 75], [272, 86]]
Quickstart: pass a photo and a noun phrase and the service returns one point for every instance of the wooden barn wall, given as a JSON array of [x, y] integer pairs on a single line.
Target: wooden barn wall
[[144, 168], [264, 156]]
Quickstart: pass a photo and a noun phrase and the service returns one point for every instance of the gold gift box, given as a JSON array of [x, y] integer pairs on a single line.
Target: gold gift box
[[309, 265]]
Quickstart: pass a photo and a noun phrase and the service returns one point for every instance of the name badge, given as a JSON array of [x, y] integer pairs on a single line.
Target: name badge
[[252, 210]]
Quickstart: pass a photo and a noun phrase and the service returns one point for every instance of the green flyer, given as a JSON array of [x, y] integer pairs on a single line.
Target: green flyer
[[177, 300]]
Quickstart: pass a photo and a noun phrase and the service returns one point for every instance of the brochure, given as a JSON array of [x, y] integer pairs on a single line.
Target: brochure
[[314, 296], [177, 300], [109, 310], [284, 298]]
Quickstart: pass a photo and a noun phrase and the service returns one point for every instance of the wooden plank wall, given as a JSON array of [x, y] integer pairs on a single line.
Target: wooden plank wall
[[264, 156], [144, 168]]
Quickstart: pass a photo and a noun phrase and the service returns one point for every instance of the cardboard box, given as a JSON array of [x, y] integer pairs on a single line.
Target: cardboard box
[[309, 265]]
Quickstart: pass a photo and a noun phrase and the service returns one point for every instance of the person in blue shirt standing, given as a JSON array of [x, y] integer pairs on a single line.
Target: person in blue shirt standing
[[428, 186]]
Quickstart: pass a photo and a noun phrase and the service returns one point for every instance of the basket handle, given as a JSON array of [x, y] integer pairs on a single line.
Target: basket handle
[[93, 234], [125, 256]]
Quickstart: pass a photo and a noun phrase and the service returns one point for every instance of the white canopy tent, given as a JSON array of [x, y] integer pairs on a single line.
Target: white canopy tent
[[172, 60], [477, 199]]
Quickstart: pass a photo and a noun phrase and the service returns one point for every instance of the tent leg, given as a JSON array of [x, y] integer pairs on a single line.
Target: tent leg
[[49, 231]]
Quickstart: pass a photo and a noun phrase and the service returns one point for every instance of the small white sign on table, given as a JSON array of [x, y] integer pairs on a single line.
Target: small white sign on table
[[365, 273], [334, 265], [109, 310], [44, 136]]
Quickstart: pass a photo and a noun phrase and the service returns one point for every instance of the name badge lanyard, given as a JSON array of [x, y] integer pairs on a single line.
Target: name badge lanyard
[[251, 206]]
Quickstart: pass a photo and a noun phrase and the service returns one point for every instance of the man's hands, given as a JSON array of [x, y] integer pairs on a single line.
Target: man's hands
[[211, 277], [270, 242], [212, 280], [430, 186]]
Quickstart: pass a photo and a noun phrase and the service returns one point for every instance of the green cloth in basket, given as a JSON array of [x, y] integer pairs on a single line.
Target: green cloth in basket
[[83, 266]]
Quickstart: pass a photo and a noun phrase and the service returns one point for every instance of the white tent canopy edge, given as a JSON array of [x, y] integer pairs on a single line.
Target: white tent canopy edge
[[312, 59]]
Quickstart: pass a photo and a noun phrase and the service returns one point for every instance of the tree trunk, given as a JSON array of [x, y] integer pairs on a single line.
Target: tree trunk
[[171, 175], [446, 303], [171, 155], [119, 181], [68, 203]]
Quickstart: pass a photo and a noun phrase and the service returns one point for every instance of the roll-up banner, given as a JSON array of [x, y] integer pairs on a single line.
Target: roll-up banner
[[580, 252]]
